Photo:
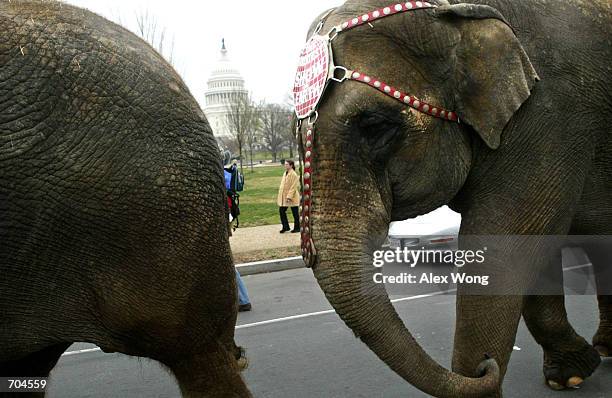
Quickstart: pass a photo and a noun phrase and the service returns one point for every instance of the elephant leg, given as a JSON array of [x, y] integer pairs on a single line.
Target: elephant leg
[[601, 258], [603, 338], [488, 318], [238, 351], [486, 327], [568, 358], [37, 364], [214, 373]]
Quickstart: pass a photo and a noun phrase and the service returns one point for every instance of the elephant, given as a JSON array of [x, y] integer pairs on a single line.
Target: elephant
[[524, 150], [113, 223]]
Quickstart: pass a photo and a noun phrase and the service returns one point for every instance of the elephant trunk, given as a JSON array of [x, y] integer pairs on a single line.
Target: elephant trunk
[[346, 232]]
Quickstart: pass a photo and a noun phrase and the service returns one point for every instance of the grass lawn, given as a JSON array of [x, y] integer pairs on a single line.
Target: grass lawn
[[258, 200], [257, 156]]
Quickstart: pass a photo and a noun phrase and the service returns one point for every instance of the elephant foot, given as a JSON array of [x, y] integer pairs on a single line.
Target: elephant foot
[[569, 368], [603, 351], [603, 344]]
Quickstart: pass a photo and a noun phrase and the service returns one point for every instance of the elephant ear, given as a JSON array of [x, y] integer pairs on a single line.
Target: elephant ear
[[493, 74]]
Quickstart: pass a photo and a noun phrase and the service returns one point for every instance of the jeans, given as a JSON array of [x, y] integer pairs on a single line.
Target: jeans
[[243, 296], [296, 218]]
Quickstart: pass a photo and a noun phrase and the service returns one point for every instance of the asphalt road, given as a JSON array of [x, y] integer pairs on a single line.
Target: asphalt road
[[317, 356]]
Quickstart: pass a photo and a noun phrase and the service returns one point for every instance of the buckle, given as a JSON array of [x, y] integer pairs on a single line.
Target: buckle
[[333, 33], [312, 119], [346, 74]]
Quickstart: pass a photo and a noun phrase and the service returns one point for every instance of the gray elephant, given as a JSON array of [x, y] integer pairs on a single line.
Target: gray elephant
[[502, 110], [112, 204]]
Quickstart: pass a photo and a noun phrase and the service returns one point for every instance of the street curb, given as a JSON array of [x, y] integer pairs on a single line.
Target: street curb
[[262, 267]]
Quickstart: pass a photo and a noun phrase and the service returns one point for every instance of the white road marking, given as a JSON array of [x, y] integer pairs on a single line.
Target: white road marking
[[268, 261], [308, 315], [81, 351], [577, 267], [311, 314], [287, 318]]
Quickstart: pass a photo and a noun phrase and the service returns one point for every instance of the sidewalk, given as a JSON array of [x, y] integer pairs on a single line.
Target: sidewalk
[[263, 243]]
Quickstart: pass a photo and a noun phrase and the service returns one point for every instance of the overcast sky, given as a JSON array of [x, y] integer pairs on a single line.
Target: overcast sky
[[263, 38]]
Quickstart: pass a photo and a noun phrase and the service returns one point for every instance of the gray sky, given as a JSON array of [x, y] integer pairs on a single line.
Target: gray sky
[[264, 38]]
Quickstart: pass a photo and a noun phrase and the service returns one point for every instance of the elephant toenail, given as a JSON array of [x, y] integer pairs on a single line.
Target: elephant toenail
[[243, 363], [555, 386], [603, 351], [574, 381]]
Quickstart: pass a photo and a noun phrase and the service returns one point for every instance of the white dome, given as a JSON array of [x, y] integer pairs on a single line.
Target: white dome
[[224, 86], [225, 77], [224, 69]]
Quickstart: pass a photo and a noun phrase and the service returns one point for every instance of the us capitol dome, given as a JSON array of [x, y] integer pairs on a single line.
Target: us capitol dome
[[224, 86]]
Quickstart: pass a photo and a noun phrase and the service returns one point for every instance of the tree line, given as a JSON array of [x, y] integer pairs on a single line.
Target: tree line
[[267, 124]]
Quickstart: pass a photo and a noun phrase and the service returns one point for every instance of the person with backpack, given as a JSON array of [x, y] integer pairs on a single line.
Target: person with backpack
[[289, 196], [234, 183]]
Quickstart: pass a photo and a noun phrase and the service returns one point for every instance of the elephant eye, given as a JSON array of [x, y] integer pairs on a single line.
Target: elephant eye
[[374, 122], [378, 130]]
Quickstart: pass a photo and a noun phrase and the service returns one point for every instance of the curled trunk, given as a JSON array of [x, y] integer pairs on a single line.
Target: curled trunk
[[346, 234]]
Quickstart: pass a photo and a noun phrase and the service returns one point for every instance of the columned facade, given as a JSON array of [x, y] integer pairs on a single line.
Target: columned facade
[[225, 85]]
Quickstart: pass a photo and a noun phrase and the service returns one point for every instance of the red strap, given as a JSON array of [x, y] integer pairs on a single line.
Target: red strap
[[384, 12], [405, 98]]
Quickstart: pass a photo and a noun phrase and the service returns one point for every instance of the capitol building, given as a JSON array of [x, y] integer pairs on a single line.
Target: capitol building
[[225, 85]]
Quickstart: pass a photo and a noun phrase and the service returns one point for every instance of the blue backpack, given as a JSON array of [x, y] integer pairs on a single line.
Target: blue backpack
[[234, 180], [228, 179]]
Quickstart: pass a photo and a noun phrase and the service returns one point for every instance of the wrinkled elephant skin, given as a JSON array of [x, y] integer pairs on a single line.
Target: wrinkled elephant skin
[[113, 216], [532, 155]]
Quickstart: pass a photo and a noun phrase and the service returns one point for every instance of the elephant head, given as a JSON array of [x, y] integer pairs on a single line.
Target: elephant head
[[375, 159]]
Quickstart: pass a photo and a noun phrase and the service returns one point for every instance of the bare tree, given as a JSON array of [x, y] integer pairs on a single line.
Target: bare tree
[[148, 30], [241, 120], [275, 124], [251, 136], [227, 142], [288, 134]]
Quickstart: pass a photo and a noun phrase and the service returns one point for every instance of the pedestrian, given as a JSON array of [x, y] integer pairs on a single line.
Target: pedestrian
[[244, 303], [288, 196], [234, 182]]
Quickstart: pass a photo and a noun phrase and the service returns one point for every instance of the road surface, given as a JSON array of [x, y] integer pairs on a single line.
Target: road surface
[[316, 355]]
